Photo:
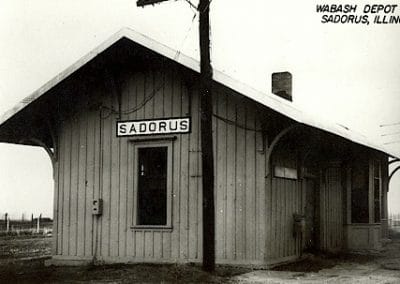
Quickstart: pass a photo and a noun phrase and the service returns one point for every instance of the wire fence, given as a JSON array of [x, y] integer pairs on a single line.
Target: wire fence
[[39, 225], [394, 222]]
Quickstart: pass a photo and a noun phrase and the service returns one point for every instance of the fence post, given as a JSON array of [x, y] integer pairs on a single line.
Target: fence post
[[38, 225], [7, 223]]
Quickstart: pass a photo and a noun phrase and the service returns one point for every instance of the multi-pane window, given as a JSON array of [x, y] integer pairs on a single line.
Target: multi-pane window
[[152, 184], [284, 161], [366, 193], [377, 191], [360, 193]]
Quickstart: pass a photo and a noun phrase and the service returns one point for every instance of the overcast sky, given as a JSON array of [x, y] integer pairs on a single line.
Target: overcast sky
[[345, 73]]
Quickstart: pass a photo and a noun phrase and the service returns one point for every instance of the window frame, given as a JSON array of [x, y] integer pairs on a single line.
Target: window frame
[[372, 162], [364, 166], [152, 143], [283, 172], [375, 162]]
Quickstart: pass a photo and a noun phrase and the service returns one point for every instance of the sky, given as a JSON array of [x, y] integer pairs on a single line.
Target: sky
[[347, 73]]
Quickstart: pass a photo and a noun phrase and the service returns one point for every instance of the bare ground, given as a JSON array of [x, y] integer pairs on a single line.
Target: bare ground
[[380, 267], [22, 261]]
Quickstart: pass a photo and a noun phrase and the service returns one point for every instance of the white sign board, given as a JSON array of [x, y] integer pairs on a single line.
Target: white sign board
[[153, 127]]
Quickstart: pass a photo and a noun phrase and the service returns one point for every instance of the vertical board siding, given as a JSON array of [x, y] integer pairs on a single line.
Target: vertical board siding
[[94, 163], [66, 193], [87, 171], [81, 187], [239, 180], [76, 168], [284, 198], [260, 197], [230, 217], [331, 213]]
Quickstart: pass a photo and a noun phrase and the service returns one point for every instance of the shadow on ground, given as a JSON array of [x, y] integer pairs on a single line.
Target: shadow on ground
[[380, 267], [22, 261]]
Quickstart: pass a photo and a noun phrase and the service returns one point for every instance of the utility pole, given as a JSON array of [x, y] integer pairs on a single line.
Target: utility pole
[[206, 138], [206, 131]]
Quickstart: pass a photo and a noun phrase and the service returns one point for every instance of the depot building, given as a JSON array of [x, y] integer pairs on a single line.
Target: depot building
[[122, 129]]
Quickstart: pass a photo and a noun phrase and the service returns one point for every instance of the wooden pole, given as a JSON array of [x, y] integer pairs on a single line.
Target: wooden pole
[[206, 138], [38, 224], [7, 223], [206, 132]]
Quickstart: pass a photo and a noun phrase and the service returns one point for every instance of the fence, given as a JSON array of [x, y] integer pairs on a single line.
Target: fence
[[394, 222], [34, 226]]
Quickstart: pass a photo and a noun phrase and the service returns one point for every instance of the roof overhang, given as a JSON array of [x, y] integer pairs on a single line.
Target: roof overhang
[[277, 104]]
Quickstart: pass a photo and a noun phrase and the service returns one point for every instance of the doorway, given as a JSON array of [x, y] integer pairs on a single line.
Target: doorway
[[309, 243]]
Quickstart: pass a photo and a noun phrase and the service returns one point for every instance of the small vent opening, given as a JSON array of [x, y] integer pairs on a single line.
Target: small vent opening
[[282, 85]]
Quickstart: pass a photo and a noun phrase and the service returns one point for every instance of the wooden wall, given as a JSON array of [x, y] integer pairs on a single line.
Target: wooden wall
[[284, 198], [331, 210], [93, 163], [254, 212], [240, 180]]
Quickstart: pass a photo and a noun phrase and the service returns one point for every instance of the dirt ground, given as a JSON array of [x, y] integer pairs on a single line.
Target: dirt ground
[[22, 261], [380, 267]]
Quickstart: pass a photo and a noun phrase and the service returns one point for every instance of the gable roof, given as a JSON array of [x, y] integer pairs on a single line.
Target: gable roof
[[277, 104]]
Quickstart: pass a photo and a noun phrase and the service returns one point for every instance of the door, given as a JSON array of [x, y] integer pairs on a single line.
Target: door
[[310, 202]]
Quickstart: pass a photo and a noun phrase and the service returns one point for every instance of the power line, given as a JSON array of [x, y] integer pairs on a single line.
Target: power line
[[390, 124], [390, 134], [234, 123], [178, 52], [191, 5], [137, 107], [158, 88], [392, 142]]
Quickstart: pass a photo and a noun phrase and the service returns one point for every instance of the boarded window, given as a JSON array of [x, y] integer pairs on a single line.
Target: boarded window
[[359, 193]]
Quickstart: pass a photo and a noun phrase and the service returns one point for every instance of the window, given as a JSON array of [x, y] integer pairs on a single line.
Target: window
[[377, 191], [284, 172], [359, 193], [366, 192], [284, 160], [152, 184]]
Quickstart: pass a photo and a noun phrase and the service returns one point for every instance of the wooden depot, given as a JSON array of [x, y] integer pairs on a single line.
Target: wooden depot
[[285, 183]]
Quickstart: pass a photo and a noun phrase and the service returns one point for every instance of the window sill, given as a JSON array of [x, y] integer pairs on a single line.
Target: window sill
[[151, 228]]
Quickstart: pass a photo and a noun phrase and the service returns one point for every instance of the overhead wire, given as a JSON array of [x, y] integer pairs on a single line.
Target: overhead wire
[[178, 52], [154, 91], [390, 124], [159, 87], [191, 4], [390, 134], [231, 122], [392, 142]]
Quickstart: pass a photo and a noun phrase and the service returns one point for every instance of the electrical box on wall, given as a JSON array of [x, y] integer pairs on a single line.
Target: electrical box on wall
[[97, 207]]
